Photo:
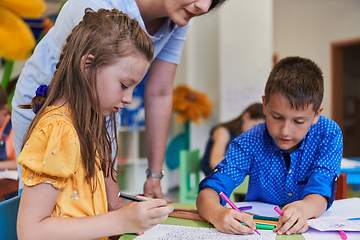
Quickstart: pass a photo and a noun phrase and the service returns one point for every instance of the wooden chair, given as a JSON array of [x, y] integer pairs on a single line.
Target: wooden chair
[[8, 217], [8, 186], [341, 189], [189, 175]]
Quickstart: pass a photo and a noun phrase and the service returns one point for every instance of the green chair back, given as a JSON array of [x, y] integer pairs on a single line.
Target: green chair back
[[189, 175], [241, 189]]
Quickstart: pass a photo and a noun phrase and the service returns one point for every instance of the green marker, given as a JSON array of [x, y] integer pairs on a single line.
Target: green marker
[[265, 218], [263, 226]]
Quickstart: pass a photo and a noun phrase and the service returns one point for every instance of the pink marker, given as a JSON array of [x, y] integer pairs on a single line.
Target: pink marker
[[233, 206], [342, 235], [278, 210]]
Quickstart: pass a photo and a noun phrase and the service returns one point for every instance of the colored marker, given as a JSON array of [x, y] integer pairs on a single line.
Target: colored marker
[[233, 206], [278, 210], [244, 208], [262, 226], [342, 235], [133, 198], [354, 219], [130, 197], [266, 222], [265, 218]]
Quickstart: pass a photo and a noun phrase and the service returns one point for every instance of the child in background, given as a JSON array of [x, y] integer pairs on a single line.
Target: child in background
[[67, 150], [293, 159], [7, 148], [222, 134]]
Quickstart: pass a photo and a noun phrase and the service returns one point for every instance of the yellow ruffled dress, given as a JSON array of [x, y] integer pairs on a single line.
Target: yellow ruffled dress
[[52, 155]]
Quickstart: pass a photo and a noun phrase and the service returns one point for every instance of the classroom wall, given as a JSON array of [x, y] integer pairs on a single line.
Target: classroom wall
[[245, 54], [229, 49], [307, 28], [240, 52]]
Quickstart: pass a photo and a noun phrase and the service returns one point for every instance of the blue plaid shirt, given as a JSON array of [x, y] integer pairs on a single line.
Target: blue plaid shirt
[[314, 166]]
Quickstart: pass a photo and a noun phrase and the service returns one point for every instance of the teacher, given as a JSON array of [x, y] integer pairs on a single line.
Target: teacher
[[166, 21]]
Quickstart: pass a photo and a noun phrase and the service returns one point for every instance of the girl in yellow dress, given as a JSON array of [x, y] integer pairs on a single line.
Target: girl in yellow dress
[[66, 155]]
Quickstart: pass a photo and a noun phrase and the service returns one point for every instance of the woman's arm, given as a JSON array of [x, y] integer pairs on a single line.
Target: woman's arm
[[221, 138], [158, 107], [35, 221]]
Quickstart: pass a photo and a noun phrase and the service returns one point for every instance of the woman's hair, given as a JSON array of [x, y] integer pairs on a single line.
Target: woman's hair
[[214, 4], [3, 98], [107, 35], [256, 112]]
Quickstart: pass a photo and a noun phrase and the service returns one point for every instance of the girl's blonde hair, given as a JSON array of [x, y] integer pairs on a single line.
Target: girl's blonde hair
[[107, 35]]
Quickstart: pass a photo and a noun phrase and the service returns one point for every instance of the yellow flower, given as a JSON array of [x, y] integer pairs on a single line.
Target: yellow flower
[[190, 104], [17, 40]]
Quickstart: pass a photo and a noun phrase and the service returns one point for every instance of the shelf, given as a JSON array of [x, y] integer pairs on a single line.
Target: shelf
[[132, 152], [133, 161]]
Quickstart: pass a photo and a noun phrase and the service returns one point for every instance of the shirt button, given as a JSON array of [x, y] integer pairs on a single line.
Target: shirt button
[[289, 171], [289, 194]]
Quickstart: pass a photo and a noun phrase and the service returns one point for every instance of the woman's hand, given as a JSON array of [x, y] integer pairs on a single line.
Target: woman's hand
[[152, 188]]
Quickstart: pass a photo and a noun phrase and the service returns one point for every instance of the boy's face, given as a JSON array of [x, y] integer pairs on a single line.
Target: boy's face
[[288, 126]]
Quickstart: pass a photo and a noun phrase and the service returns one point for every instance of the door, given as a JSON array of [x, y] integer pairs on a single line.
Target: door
[[345, 97]]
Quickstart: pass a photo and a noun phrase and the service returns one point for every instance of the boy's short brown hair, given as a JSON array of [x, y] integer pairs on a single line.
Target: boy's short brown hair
[[298, 79]]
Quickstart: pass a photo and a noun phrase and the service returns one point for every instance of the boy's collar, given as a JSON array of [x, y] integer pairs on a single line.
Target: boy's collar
[[300, 147]]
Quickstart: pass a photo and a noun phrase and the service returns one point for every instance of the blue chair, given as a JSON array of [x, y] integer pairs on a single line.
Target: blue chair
[[8, 217]]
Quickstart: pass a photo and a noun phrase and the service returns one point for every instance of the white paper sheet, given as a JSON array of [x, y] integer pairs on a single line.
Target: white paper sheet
[[340, 210], [259, 208], [313, 234], [333, 224], [171, 232], [344, 208], [10, 174]]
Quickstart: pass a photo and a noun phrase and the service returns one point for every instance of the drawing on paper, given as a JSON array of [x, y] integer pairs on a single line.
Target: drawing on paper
[[172, 232], [334, 224]]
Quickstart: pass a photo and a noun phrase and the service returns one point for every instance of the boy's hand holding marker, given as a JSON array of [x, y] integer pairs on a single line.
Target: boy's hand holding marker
[[229, 221], [292, 219]]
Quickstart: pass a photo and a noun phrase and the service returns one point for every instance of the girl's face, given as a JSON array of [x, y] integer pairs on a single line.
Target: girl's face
[[116, 82], [181, 11]]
